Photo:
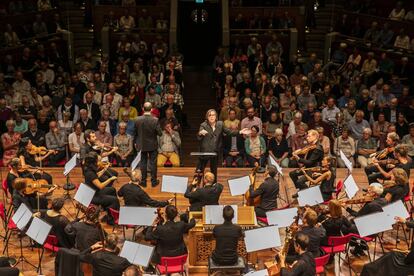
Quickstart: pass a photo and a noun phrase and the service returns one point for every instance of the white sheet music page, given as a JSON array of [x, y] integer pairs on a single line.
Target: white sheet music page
[[351, 188], [141, 216], [282, 218], [214, 214], [70, 164], [262, 238], [84, 195], [239, 186], [136, 161], [39, 230], [174, 184]]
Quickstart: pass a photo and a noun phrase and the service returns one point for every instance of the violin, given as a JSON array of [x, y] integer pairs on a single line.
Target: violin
[[382, 154], [35, 186], [363, 199], [257, 200], [34, 150], [103, 165], [303, 151]]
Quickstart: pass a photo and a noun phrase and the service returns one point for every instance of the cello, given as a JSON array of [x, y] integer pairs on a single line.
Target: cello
[[256, 200]]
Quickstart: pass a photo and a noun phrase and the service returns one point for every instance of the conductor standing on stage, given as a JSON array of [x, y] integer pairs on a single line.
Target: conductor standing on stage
[[210, 134], [147, 130]]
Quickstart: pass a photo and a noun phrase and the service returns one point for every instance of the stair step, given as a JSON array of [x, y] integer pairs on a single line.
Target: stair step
[[85, 36], [74, 13]]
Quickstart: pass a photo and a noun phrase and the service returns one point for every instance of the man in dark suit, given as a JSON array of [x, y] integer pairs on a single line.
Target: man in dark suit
[[169, 236], [210, 137], [85, 121], [209, 194], [35, 135], [134, 195], [94, 113], [227, 236], [267, 191], [312, 159], [147, 130], [234, 150]]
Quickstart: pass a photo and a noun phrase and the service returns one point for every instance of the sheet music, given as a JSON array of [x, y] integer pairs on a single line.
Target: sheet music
[[395, 209], [372, 224], [262, 272], [22, 216], [136, 161], [141, 216], [282, 218], [347, 162], [174, 184], [274, 163], [70, 164], [239, 186], [84, 195], [351, 188], [262, 238], [136, 253], [214, 214], [310, 196], [39, 230]]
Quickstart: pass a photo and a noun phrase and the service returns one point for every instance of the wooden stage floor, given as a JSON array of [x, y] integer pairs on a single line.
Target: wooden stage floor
[[286, 190]]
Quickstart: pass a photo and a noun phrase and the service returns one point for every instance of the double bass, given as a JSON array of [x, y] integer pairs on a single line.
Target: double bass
[[256, 200]]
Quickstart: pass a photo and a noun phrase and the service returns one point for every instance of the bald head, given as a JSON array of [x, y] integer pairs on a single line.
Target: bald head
[[147, 107]]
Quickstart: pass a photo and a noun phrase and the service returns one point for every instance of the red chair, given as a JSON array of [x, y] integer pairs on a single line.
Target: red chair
[[61, 163], [320, 263], [172, 265], [115, 214], [51, 243], [264, 220], [339, 187], [370, 239], [168, 164], [338, 245]]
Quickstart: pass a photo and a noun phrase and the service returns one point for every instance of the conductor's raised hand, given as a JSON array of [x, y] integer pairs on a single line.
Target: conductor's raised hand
[[202, 132]]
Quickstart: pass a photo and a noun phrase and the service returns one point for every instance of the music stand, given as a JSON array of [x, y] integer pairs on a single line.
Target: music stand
[[21, 218], [174, 184], [38, 232], [272, 161]]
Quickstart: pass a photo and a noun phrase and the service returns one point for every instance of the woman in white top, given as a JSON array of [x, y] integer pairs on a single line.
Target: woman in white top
[[76, 139], [398, 12], [402, 40]]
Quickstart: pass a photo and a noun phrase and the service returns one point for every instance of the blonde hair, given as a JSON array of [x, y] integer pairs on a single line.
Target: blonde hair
[[335, 209], [311, 217], [209, 177], [136, 175], [400, 176], [313, 132]]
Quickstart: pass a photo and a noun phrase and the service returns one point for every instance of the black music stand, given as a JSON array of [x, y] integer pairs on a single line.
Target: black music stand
[[38, 232]]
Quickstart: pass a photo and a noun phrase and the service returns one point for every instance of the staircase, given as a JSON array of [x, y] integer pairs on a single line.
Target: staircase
[[83, 36], [325, 21]]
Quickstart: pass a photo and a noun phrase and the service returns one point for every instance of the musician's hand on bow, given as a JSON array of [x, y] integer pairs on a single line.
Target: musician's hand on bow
[[202, 132], [36, 215], [170, 200], [400, 219]]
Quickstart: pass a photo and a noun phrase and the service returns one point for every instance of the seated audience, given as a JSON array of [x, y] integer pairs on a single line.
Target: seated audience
[[124, 143], [255, 147], [169, 144]]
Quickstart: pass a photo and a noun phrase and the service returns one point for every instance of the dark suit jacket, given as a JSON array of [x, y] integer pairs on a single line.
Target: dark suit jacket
[[207, 195], [317, 236], [212, 141], [177, 111], [90, 124], [305, 266], [227, 236], [38, 139], [18, 199], [96, 112], [227, 145], [135, 196], [313, 158], [147, 130], [268, 192], [169, 238]]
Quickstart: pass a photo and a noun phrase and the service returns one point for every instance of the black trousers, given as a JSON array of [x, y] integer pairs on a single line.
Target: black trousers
[[151, 157], [123, 163], [106, 198], [298, 179], [203, 161], [54, 158], [373, 174], [260, 212], [108, 174]]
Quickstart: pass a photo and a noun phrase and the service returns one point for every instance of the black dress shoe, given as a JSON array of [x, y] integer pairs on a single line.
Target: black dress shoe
[[155, 184]]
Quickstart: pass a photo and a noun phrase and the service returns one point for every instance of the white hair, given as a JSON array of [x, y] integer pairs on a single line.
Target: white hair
[[377, 188], [278, 131]]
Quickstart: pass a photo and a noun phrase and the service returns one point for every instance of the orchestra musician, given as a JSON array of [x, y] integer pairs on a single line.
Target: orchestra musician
[[371, 170], [104, 257], [373, 202], [210, 136], [335, 223], [397, 187], [323, 176], [134, 195], [313, 154], [305, 262], [93, 145], [393, 263], [34, 201], [58, 221], [104, 196], [208, 194], [169, 236], [85, 231], [227, 236], [268, 192], [316, 234], [401, 161], [31, 157]]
